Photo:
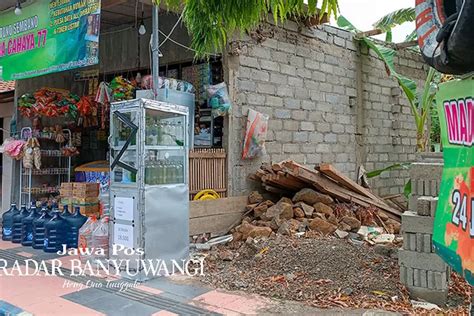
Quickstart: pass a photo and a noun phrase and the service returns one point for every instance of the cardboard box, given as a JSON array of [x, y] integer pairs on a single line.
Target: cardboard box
[[85, 189], [88, 210], [85, 200], [67, 186], [66, 193]]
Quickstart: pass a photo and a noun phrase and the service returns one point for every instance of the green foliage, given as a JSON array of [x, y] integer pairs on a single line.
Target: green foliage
[[395, 18], [421, 103], [211, 23], [378, 172]]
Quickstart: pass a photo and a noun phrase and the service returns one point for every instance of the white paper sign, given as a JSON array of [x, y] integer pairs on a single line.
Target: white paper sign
[[123, 208], [123, 235]]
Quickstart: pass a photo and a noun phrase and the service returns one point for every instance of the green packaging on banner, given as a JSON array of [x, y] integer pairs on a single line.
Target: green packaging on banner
[[49, 36], [453, 233]]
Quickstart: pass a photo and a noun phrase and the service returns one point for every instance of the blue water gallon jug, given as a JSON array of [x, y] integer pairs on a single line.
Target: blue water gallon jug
[[38, 228], [17, 223], [75, 222], [65, 214], [55, 233], [27, 226], [7, 222]]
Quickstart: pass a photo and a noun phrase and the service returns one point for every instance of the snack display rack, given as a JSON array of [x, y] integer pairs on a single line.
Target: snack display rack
[[56, 168]]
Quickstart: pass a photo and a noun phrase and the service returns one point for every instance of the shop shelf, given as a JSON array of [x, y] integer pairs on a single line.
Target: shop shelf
[[46, 171], [52, 153], [40, 190]]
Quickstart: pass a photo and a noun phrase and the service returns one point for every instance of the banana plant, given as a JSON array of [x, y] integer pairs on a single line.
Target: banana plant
[[397, 17], [421, 102], [212, 23]]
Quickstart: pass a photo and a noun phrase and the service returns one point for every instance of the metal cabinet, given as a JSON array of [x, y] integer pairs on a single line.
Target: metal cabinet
[[149, 182]]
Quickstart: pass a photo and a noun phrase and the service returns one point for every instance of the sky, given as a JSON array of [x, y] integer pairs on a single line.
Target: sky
[[363, 13]]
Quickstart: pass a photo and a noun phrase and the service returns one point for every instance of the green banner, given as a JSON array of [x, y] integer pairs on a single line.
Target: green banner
[[49, 36], [453, 232]]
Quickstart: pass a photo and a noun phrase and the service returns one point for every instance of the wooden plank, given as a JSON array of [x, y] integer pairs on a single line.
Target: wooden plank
[[325, 185], [216, 224], [224, 206], [333, 173]]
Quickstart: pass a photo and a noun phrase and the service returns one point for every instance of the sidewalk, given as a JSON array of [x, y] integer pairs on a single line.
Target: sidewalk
[[77, 295]]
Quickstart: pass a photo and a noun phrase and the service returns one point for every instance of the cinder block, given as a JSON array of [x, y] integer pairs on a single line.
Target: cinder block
[[426, 205], [412, 242], [423, 206], [414, 223], [409, 276], [421, 260], [420, 186], [419, 242], [416, 277], [441, 281], [413, 202], [430, 279], [403, 274], [437, 297], [406, 241], [423, 278], [426, 171], [434, 190], [434, 206], [427, 243]]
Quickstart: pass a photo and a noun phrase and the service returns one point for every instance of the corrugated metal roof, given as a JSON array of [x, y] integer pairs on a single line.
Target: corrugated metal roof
[[7, 86]]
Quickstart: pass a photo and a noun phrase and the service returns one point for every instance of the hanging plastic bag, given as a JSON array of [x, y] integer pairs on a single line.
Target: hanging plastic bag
[[255, 135], [28, 158], [85, 239], [13, 148], [100, 238], [219, 99], [36, 153]]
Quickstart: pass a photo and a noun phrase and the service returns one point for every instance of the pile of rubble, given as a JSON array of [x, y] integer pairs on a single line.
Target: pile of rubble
[[308, 211], [314, 202]]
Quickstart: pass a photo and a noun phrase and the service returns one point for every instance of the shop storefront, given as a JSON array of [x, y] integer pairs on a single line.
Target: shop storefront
[[75, 135]]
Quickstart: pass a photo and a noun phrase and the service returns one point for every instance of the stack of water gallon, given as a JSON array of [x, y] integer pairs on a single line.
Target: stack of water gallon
[[48, 228]]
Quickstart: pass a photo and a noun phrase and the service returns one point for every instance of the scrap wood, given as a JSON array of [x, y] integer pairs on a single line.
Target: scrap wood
[[325, 185], [330, 171]]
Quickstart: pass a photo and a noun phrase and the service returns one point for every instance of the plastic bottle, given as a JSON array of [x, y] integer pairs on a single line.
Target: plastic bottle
[[27, 226], [7, 222], [17, 218], [75, 222], [85, 238], [38, 228], [65, 214], [55, 233], [100, 238]]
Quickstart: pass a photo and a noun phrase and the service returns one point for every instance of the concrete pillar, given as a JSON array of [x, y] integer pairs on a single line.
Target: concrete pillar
[[7, 172]]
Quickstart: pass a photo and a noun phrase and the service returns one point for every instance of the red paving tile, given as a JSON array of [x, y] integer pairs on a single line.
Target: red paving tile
[[164, 313], [40, 295], [149, 289], [4, 245], [25, 254], [232, 302]]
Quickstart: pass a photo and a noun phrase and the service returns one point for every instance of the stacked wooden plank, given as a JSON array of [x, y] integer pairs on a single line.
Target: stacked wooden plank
[[288, 177]]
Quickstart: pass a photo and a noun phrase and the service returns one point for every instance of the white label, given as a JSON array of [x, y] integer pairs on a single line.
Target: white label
[[123, 208], [123, 235]]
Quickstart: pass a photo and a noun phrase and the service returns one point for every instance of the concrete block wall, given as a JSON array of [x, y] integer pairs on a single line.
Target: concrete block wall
[[306, 81], [423, 272]]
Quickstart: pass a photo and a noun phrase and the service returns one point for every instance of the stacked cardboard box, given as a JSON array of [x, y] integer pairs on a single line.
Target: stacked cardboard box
[[83, 195]]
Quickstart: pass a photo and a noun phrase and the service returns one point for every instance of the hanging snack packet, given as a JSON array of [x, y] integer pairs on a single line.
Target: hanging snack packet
[[255, 135], [219, 99]]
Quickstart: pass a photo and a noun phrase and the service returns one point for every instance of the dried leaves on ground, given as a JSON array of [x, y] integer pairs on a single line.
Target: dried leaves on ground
[[321, 272]]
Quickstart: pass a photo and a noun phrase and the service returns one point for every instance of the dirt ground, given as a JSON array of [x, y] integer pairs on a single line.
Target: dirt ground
[[321, 272]]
